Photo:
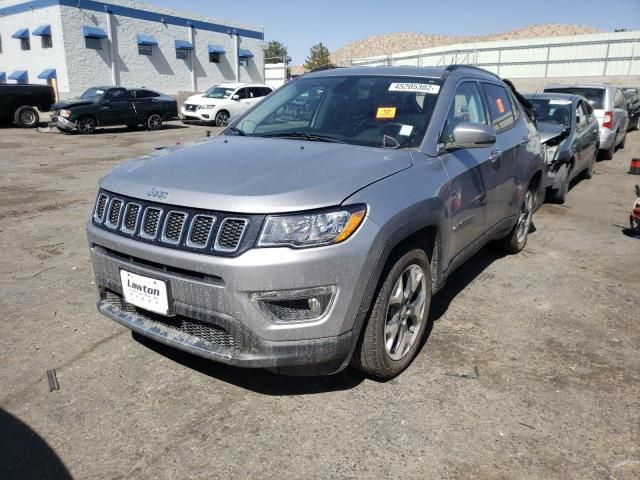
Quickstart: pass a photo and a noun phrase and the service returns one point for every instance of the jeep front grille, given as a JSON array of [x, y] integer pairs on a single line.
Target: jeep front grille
[[204, 331], [230, 234], [212, 233]]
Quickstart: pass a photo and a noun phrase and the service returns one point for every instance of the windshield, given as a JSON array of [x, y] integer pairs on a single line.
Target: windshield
[[218, 92], [375, 111], [92, 94], [555, 110], [595, 96]]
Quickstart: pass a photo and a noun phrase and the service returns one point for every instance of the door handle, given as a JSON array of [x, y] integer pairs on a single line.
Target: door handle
[[495, 155]]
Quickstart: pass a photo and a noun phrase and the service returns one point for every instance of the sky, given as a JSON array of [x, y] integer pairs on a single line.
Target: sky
[[301, 24]]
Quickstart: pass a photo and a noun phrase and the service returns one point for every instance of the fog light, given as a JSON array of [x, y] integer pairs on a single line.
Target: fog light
[[294, 305]]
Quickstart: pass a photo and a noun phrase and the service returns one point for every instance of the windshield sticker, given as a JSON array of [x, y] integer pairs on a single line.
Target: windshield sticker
[[500, 105], [406, 130], [559, 102], [386, 112], [415, 88]]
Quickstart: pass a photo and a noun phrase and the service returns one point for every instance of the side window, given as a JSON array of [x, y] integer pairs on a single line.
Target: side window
[[500, 110], [256, 92], [242, 93], [581, 116], [146, 94], [117, 95], [466, 106], [589, 109], [266, 91]]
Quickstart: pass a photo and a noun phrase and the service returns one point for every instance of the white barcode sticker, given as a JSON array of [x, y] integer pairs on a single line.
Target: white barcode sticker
[[429, 88]]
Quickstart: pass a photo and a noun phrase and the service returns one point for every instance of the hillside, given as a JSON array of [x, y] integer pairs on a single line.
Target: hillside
[[400, 42]]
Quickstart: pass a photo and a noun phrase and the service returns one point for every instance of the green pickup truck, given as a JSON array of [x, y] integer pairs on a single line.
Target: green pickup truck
[[107, 106]]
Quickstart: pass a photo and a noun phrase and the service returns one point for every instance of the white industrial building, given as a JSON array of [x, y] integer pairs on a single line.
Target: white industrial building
[[75, 44]]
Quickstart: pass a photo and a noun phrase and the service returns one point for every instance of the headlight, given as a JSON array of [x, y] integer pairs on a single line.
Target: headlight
[[65, 113], [312, 229], [206, 107]]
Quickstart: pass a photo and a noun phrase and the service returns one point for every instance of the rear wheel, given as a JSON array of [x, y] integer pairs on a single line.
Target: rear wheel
[[154, 121], [608, 153], [398, 319], [517, 238], [86, 125], [222, 118], [588, 173], [26, 117], [623, 142]]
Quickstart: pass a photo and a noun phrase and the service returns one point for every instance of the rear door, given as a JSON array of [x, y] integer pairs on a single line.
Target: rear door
[[501, 170], [467, 170], [620, 114]]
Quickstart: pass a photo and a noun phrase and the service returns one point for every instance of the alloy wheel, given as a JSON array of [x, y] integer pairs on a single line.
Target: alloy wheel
[[524, 219], [27, 117], [405, 312], [222, 119], [154, 122]]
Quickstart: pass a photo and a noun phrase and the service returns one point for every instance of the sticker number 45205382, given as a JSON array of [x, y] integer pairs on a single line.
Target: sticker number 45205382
[[429, 88]]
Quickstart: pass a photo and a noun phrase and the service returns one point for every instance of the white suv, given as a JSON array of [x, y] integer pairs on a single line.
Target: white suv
[[222, 101]]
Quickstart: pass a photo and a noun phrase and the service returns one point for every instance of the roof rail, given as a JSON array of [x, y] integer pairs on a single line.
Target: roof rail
[[326, 67], [456, 66]]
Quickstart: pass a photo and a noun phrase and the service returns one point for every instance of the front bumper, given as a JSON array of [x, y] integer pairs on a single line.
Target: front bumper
[[198, 116], [63, 124], [215, 293]]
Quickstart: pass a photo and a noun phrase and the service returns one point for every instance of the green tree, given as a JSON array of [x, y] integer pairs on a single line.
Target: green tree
[[318, 57], [275, 52]]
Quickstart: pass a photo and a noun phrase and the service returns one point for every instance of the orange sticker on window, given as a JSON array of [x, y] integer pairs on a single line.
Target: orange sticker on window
[[500, 105], [386, 112]]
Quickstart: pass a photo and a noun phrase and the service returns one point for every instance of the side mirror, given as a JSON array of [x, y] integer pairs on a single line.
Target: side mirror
[[235, 97], [472, 135]]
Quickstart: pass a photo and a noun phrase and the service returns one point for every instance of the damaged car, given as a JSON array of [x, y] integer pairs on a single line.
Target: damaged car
[[570, 131], [110, 106]]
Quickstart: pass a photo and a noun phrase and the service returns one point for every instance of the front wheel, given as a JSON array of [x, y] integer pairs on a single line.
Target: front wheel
[[222, 119], [154, 122], [398, 319], [517, 238], [559, 195], [588, 173], [86, 125]]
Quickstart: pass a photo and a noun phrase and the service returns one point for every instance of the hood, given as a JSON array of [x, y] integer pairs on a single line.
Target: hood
[[70, 104], [196, 98], [552, 133], [255, 175]]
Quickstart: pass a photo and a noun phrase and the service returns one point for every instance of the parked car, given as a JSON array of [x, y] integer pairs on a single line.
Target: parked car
[[632, 101], [609, 107], [19, 103], [305, 243], [220, 102], [108, 106], [570, 130]]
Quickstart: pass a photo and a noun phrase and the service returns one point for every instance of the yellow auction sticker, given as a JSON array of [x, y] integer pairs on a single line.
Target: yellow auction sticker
[[386, 112]]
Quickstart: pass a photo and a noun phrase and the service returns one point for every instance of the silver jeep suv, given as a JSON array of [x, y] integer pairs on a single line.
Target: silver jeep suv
[[314, 230]]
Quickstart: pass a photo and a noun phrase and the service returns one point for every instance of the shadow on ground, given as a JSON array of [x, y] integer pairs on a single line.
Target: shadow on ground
[[24, 454]]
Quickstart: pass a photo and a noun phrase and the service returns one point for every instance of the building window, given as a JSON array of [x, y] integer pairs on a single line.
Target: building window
[[46, 41], [0, 43], [25, 44], [93, 43], [182, 54], [214, 57], [145, 50], [243, 61]]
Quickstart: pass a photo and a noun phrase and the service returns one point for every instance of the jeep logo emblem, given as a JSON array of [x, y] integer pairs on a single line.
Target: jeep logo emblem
[[159, 194]]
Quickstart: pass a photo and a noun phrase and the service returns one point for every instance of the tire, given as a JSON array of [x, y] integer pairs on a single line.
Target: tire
[[516, 240], [86, 125], [26, 117], [559, 195], [608, 153], [394, 330], [154, 122], [588, 173], [222, 118]]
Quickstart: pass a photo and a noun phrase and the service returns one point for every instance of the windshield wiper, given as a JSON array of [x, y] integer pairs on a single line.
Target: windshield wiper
[[311, 137], [238, 131]]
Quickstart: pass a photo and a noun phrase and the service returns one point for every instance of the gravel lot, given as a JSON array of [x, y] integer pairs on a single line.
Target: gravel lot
[[532, 369]]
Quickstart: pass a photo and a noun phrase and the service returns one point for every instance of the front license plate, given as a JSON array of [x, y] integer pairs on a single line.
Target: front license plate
[[145, 292]]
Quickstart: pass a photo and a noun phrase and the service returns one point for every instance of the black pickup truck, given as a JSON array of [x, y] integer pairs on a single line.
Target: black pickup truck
[[18, 103], [107, 106]]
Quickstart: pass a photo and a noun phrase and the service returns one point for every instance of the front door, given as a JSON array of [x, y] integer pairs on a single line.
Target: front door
[[467, 170]]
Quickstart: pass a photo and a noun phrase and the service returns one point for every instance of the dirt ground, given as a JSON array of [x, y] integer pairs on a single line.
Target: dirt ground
[[531, 371]]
